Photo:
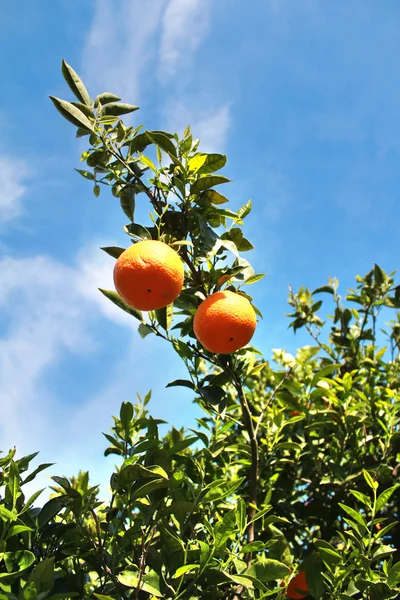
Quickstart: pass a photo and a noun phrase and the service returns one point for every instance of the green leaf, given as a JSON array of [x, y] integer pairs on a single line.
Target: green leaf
[[106, 98], [394, 574], [148, 162], [253, 547], [71, 113], [181, 382], [358, 518], [145, 330], [85, 174], [117, 300], [212, 394], [18, 561], [138, 232], [116, 109], [213, 197], [324, 288], [182, 445], [241, 518], [212, 163], [130, 579], [127, 199], [223, 530], [161, 140], [17, 529], [372, 484], [184, 569], [96, 190], [207, 182], [267, 569], [240, 580], [75, 83], [245, 209], [254, 278], [385, 496], [164, 316], [113, 251]]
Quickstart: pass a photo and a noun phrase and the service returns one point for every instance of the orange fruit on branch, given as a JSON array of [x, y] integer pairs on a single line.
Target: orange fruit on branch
[[149, 275], [224, 322], [297, 585]]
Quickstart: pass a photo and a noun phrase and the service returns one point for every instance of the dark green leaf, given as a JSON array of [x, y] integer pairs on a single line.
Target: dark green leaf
[[116, 109], [85, 174], [161, 140], [127, 199], [207, 182], [75, 83], [106, 98], [113, 251], [138, 232], [181, 382], [71, 113], [212, 163], [117, 300]]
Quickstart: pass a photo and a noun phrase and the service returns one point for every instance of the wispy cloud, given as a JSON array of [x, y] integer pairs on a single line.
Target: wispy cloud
[[184, 25], [120, 45], [13, 175], [210, 126]]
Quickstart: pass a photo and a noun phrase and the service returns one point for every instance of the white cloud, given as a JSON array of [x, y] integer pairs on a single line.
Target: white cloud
[[13, 173], [48, 314], [211, 127], [120, 44], [184, 25]]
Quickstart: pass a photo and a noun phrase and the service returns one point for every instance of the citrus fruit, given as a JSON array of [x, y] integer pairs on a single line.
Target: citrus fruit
[[224, 322], [149, 275], [299, 582]]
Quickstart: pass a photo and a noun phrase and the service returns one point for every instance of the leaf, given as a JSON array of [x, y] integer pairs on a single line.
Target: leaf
[[164, 316], [117, 300], [181, 382], [196, 162], [213, 197], [116, 109], [96, 190], [394, 574], [106, 98], [31, 500], [148, 162], [212, 163], [240, 580], [267, 569], [241, 518], [16, 529], [161, 140], [212, 394], [138, 232], [18, 561], [7, 515], [384, 497], [127, 200], [223, 530], [372, 484], [75, 83], [145, 330], [324, 288], [184, 569], [358, 518], [85, 174], [182, 445], [254, 278], [207, 182], [113, 251], [130, 579], [245, 209], [71, 113], [253, 547]]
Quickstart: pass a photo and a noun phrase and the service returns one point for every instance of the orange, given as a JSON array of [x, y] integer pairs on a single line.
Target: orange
[[299, 582], [149, 275], [224, 322]]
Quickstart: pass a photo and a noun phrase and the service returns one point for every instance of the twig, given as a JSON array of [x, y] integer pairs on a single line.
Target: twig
[[276, 390]]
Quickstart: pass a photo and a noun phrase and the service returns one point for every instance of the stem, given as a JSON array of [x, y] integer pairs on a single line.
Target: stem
[[253, 475], [276, 390]]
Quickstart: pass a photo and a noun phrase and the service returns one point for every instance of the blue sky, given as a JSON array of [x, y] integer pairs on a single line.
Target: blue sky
[[302, 96]]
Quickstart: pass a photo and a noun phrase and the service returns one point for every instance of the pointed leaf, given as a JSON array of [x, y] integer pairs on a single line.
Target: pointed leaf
[[207, 182], [115, 109], [75, 83], [71, 113], [117, 300]]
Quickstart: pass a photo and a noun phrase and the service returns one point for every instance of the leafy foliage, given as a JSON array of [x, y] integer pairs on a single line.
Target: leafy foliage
[[294, 465]]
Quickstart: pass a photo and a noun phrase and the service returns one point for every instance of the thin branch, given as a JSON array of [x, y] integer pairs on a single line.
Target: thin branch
[[276, 390]]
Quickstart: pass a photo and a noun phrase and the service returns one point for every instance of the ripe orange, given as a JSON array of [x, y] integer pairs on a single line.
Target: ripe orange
[[299, 582], [149, 275], [224, 322]]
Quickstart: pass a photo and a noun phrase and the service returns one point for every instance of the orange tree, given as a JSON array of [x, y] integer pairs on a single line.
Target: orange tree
[[287, 488]]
